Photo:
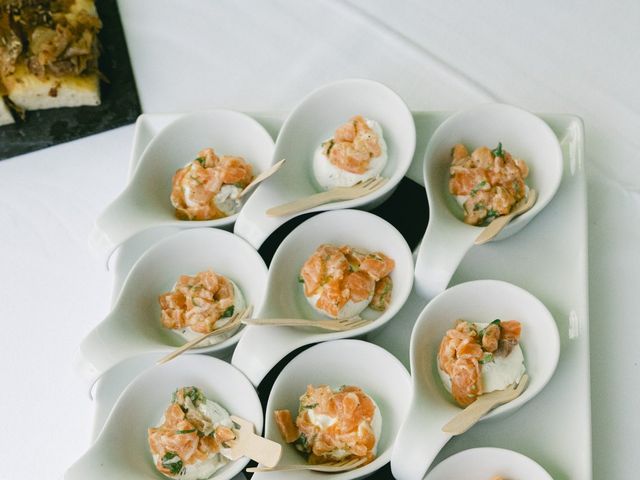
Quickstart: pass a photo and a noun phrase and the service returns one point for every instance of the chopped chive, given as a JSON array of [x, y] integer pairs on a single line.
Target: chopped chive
[[497, 152]]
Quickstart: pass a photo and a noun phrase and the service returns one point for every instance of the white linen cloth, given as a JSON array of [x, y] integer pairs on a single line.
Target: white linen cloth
[[574, 57]]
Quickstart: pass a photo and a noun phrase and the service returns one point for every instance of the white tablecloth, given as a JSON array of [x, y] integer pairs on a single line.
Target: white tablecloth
[[575, 57]]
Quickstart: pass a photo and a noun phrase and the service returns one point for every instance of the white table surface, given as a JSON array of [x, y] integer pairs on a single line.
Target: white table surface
[[577, 57]]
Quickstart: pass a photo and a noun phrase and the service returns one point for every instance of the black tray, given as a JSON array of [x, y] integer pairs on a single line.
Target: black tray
[[120, 103]]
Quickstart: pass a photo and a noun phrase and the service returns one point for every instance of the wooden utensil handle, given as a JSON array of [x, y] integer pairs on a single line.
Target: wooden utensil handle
[[265, 452], [303, 204], [292, 322]]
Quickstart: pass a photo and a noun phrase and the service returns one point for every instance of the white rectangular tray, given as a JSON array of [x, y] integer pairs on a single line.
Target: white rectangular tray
[[549, 259]]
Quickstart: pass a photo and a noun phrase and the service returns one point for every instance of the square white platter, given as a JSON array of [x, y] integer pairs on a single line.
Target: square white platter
[[548, 258]]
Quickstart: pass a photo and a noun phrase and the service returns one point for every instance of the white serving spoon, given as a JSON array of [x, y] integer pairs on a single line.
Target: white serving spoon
[[309, 124], [261, 348], [122, 449], [487, 464], [448, 238], [421, 436], [342, 362], [133, 327], [145, 202]]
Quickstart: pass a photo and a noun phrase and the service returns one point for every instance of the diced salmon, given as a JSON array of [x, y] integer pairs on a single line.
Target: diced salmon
[[285, 424]]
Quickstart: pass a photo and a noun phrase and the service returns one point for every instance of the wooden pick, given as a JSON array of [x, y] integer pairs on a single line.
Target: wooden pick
[[248, 444], [262, 177], [468, 417], [232, 325], [496, 226]]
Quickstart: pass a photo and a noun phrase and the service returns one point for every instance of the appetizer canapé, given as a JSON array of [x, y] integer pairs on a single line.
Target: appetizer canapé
[[356, 152], [477, 358], [208, 188], [200, 304], [486, 183], [190, 441], [333, 424], [48, 54], [342, 281]]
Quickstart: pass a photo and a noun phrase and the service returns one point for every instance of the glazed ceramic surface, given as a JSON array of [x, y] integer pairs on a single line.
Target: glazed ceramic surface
[[145, 202], [563, 446], [336, 363], [481, 301], [122, 449], [448, 238], [133, 327], [312, 122], [487, 463], [262, 347]]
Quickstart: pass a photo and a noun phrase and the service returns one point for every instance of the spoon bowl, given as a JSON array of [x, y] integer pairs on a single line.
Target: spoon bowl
[[448, 238], [310, 123], [122, 451], [341, 362], [486, 463], [145, 202], [262, 347], [421, 436], [133, 327]]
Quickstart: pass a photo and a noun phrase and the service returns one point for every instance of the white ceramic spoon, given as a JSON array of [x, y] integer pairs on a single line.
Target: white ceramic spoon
[[421, 436], [145, 202], [309, 124], [487, 463], [261, 348], [448, 238], [122, 449], [133, 327], [341, 362]]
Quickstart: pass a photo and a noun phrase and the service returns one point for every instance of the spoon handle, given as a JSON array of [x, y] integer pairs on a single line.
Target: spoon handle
[[440, 252], [418, 441]]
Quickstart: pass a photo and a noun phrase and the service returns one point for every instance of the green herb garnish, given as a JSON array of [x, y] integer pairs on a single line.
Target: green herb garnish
[[302, 443], [495, 322], [181, 432], [228, 312], [313, 405], [300, 279], [195, 395], [497, 152], [478, 206], [171, 461], [201, 160], [516, 187], [479, 186], [486, 358], [492, 213]]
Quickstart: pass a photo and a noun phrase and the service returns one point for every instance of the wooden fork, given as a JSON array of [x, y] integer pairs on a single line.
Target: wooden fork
[[333, 325], [262, 177], [341, 466], [468, 417], [360, 189], [232, 325]]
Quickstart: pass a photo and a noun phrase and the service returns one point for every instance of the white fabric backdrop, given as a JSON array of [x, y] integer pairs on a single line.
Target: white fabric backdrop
[[575, 57]]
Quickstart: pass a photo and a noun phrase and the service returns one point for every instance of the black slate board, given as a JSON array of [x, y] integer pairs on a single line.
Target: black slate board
[[408, 203], [120, 103]]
